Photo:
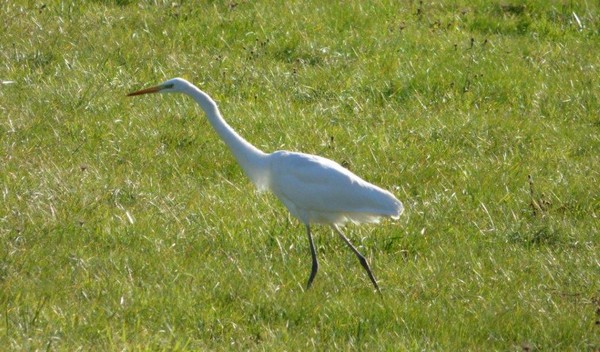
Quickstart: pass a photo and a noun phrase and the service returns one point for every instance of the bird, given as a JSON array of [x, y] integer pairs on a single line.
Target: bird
[[314, 189]]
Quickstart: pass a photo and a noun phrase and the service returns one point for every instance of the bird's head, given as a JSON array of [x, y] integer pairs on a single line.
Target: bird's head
[[171, 86]]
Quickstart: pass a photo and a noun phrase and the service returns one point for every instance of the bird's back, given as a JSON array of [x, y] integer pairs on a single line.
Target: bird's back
[[319, 190]]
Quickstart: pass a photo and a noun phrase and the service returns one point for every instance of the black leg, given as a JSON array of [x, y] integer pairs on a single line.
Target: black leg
[[315, 262], [361, 258]]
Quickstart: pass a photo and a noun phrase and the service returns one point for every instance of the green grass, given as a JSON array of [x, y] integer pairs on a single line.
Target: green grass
[[125, 224]]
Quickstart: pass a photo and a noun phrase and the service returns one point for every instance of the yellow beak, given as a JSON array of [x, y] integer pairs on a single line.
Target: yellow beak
[[155, 89]]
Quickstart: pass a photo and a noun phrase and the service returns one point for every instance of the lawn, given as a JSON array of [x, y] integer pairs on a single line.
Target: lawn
[[126, 224]]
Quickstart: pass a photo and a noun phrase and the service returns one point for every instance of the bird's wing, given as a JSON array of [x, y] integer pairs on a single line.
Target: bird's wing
[[322, 186]]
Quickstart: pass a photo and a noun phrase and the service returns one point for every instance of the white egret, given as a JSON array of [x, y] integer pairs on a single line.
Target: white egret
[[314, 189]]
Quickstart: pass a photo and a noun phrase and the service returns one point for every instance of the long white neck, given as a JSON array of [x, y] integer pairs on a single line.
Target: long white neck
[[251, 159]]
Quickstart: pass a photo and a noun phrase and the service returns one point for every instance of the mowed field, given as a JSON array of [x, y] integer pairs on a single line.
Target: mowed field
[[126, 224]]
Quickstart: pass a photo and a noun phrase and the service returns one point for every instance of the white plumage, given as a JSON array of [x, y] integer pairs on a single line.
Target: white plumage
[[318, 190], [314, 189]]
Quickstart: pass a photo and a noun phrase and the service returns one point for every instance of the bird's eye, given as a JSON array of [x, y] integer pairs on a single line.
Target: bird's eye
[[168, 86]]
